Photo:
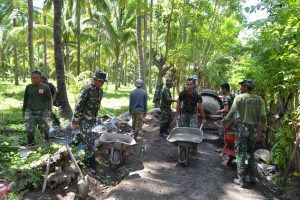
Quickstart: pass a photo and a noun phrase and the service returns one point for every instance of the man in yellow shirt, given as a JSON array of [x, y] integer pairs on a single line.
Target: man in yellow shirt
[[252, 114]]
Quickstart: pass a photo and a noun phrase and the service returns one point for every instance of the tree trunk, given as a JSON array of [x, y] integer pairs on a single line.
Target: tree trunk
[[145, 41], [78, 35], [16, 71], [66, 111], [46, 72], [24, 63], [150, 49], [140, 42], [185, 21], [30, 35], [161, 62]]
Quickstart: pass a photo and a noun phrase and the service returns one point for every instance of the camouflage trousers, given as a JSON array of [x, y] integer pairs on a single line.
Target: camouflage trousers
[[189, 120], [35, 119], [88, 137], [137, 119], [245, 145], [165, 120]]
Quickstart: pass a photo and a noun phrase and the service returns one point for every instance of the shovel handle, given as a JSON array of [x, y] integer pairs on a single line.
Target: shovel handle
[[73, 160]]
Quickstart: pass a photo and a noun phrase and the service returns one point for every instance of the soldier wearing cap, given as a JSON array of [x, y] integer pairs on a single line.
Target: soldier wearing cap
[[137, 107], [252, 114], [165, 107], [86, 111]]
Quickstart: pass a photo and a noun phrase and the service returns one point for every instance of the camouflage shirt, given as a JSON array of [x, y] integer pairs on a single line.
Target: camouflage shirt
[[88, 103], [164, 102], [189, 101], [227, 101]]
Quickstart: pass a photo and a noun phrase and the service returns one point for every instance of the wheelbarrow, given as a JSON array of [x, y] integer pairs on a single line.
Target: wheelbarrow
[[228, 149], [117, 145], [185, 138]]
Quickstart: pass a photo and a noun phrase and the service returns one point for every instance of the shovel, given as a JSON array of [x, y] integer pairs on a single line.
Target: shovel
[[83, 183]]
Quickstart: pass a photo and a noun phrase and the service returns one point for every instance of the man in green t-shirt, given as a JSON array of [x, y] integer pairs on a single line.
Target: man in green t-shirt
[[37, 106], [165, 108], [252, 114]]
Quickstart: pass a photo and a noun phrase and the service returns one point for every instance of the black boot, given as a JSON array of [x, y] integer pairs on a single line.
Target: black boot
[[93, 165]]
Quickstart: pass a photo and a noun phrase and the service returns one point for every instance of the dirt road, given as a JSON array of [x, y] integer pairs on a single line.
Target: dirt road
[[155, 174], [152, 172]]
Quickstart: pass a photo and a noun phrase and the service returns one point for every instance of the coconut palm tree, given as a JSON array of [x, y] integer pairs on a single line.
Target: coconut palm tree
[[59, 62]]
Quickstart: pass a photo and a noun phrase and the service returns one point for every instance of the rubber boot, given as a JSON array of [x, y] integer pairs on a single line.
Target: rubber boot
[[30, 139], [92, 165], [241, 180]]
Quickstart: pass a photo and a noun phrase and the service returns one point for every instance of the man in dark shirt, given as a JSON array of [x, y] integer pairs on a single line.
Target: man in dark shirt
[[138, 107], [53, 90], [37, 106], [189, 104], [165, 108]]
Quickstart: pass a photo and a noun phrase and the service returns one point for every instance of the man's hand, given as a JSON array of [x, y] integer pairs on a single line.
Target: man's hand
[[74, 127], [203, 121], [49, 113]]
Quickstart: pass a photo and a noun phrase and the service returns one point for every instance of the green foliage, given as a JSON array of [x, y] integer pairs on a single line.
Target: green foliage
[[281, 151]]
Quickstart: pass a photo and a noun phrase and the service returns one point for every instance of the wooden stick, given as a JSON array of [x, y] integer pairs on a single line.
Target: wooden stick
[[291, 161], [46, 175]]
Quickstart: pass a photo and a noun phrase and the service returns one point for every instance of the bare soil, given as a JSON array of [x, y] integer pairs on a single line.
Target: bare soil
[[152, 172]]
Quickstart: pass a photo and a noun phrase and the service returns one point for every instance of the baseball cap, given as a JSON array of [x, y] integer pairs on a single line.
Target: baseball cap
[[138, 83]]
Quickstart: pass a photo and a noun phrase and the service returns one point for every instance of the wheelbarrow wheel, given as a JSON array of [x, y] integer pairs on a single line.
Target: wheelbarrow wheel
[[183, 155]]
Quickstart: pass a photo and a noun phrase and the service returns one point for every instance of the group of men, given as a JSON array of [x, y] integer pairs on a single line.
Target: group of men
[[189, 111], [247, 109]]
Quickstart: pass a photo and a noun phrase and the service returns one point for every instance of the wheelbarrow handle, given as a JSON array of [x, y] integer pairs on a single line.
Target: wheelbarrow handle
[[201, 126]]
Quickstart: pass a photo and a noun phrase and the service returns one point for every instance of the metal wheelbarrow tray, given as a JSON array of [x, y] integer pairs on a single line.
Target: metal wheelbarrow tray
[[117, 144], [185, 138], [185, 134]]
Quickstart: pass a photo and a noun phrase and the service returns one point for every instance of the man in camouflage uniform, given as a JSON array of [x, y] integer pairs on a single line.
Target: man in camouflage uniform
[[37, 106], [252, 114], [86, 111], [165, 107], [189, 104], [227, 102]]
